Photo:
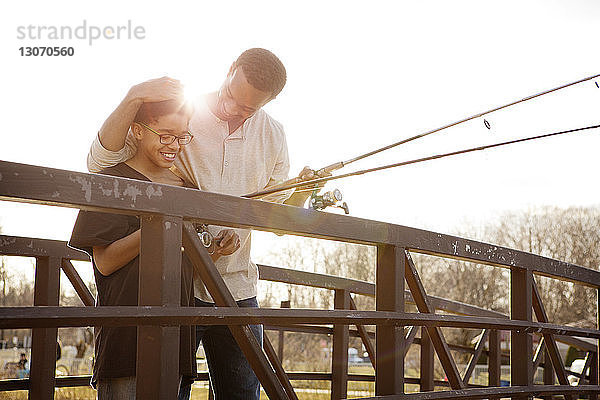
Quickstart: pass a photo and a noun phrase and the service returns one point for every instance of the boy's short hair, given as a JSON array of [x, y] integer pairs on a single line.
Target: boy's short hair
[[151, 112]]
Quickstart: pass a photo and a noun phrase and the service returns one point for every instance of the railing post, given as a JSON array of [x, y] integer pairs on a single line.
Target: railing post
[[594, 368], [157, 367], [78, 284], [364, 335], [521, 343], [284, 304], [594, 375], [427, 353], [43, 348], [494, 359], [274, 382], [339, 359], [549, 376], [389, 296]]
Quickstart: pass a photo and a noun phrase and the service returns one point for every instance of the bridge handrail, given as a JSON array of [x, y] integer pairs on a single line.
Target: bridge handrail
[[41, 185]]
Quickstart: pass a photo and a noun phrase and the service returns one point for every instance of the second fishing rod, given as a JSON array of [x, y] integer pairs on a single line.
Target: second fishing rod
[[418, 160], [338, 165]]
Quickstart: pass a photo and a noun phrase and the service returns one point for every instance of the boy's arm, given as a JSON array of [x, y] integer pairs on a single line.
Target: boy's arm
[[94, 232], [116, 255], [109, 147]]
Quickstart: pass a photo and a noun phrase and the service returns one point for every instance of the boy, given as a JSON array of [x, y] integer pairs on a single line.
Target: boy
[[113, 243]]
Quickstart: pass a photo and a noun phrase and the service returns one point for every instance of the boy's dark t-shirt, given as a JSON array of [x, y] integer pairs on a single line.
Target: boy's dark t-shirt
[[115, 348]]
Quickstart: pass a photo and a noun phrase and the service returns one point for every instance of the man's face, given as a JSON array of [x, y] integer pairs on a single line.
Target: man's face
[[162, 155], [237, 99]]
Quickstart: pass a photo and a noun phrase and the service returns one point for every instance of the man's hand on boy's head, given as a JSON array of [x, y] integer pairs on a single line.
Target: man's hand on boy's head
[[228, 242], [159, 89]]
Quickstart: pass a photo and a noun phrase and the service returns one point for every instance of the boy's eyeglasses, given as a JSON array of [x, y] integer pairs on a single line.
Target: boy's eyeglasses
[[167, 138]]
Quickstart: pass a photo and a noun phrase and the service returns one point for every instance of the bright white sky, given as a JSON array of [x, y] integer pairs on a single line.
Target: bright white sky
[[361, 75]]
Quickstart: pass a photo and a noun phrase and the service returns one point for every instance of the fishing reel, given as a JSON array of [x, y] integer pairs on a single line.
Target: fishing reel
[[332, 198], [207, 238]]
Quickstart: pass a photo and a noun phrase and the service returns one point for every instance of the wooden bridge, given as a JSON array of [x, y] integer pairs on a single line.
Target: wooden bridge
[[166, 215]]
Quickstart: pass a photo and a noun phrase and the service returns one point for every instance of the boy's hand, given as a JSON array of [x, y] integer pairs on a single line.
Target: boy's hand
[[228, 242]]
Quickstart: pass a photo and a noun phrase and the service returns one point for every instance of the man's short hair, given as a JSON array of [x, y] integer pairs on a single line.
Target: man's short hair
[[151, 112], [263, 70]]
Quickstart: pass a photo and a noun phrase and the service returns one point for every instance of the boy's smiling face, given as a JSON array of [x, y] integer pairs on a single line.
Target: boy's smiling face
[[149, 145]]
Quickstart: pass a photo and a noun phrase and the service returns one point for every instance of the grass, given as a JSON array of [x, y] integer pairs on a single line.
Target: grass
[[85, 393], [76, 393], [306, 390]]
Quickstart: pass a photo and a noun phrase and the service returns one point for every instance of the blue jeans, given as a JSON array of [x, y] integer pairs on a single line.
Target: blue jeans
[[117, 388], [231, 376]]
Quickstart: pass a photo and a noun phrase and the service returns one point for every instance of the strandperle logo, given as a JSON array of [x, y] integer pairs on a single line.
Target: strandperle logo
[[90, 33]]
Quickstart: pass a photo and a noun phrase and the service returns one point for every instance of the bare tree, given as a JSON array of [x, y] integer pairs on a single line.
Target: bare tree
[[571, 235]]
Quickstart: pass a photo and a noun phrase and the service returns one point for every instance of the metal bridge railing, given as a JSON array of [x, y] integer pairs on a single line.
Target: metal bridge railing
[[166, 214]]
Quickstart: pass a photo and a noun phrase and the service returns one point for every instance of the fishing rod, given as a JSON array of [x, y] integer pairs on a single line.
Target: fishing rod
[[335, 166], [472, 117], [415, 161]]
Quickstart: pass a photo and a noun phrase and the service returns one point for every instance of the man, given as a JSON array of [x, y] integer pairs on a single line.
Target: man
[[113, 243], [238, 149]]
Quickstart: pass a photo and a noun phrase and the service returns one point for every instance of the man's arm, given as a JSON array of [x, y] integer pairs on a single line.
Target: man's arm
[[110, 146], [114, 130], [280, 175]]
